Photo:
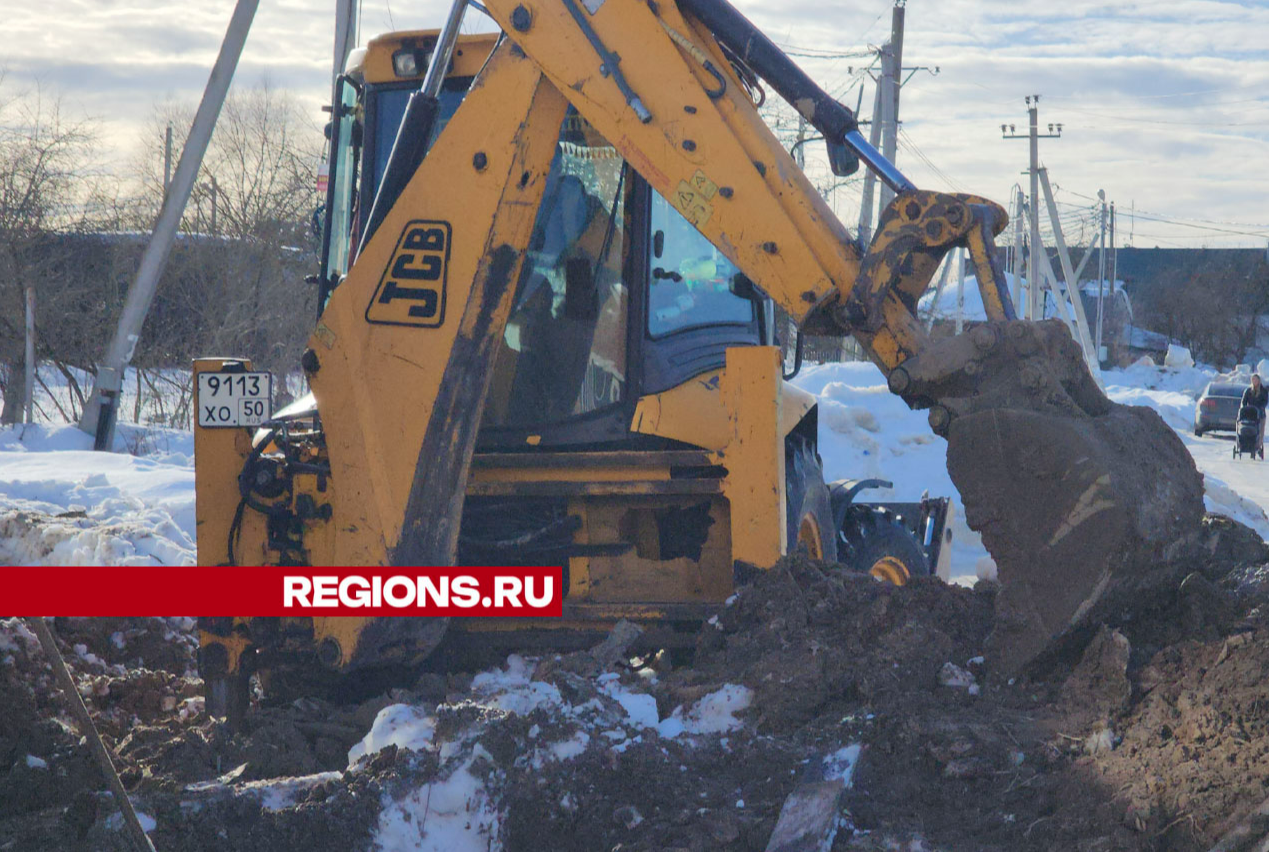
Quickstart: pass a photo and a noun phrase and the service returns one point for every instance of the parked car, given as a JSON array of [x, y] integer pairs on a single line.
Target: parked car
[[1217, 407]]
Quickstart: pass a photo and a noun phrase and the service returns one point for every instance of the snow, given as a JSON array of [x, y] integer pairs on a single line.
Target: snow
[[1177, 356], [403, 726], [867, 432], [460, 808], [713, 713], [96, 508], [454, 813]]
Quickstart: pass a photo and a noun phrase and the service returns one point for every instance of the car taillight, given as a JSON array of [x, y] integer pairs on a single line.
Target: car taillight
[[1209, 403]]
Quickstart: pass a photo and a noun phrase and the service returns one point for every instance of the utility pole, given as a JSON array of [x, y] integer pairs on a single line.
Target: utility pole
[[891, 70], [346, 35], [167, 159], [1034, 289], [883, 133], [1101, 273], [29, 400], [1018, 245], [100, 409], [1114, 255], [874, 139], [799, 156]]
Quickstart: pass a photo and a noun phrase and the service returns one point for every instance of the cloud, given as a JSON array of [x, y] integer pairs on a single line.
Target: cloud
[[1162, 101]]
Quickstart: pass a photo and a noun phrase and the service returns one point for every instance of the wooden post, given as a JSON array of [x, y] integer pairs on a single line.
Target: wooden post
[[29, 402]]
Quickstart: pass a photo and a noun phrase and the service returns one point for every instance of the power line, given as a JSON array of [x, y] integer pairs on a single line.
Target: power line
[[1189, 222]]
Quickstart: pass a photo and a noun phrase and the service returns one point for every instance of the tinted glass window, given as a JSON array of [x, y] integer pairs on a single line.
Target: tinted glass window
[[390, 107], [689, 281]]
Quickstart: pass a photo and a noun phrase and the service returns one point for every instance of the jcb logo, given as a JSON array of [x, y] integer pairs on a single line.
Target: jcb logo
[[412, 290]]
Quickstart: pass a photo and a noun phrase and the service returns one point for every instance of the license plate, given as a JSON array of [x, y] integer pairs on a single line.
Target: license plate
[[234, 399]]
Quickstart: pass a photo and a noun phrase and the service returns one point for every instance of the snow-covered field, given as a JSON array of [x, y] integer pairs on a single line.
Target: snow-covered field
[[106, 508], [136, 505]]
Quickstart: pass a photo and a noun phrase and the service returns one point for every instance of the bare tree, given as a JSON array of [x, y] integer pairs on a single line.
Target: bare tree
[[234, 284], [45, 192]]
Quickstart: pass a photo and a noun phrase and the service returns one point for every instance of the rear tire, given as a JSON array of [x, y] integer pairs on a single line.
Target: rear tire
[[809, 512], [874, 542], [1198, 432]]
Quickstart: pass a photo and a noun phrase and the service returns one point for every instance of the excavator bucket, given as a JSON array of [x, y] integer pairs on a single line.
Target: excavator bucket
[[1083, 503]]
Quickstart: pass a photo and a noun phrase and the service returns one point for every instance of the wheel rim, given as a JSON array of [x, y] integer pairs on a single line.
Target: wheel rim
[[809, 537], [891, 570]]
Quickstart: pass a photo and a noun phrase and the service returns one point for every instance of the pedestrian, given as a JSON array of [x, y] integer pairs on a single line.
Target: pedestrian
[[1257, 394]]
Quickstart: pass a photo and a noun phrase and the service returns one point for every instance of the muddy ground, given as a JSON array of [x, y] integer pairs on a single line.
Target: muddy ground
[[1148, 732]]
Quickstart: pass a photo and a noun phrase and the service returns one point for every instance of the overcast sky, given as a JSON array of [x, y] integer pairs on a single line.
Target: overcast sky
[[1164, 103]]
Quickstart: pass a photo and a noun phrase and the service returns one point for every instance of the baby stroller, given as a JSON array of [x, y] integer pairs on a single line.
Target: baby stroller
[[1248, 439]]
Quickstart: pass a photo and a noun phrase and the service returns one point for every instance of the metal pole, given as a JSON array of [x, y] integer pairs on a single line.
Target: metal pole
[[870, 177], [99, 413], [29, 402], [960, 291], [1017, 250], [1101, 273], [1072, 280], [1114, 258], [1034, 306], [938, 291]]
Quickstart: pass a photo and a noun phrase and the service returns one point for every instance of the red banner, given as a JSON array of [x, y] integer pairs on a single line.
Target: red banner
[[282, 591]]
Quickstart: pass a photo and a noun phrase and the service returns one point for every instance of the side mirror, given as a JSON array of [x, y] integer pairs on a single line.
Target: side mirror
[[842, 160], [741, 285]]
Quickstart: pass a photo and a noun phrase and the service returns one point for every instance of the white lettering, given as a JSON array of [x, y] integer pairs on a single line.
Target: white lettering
[[464, 591], [295, 592], [325, 591], [428, 590], [349, 597], [398, 600], [542, 600], [507, 592]]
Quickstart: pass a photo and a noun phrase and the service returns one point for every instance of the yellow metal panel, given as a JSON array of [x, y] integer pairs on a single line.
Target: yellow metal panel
[[755, 455], [794, 404], [377, 382], [219, 455], [692, 412], [469, 55]]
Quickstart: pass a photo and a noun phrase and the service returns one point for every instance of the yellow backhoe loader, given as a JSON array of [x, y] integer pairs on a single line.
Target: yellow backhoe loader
[[551, 261]]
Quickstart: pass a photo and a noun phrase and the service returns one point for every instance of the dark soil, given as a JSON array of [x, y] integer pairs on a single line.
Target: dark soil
[[1148, 730]]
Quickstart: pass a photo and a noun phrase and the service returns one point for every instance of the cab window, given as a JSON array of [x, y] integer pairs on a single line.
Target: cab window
[[564, 350], [689, 281]]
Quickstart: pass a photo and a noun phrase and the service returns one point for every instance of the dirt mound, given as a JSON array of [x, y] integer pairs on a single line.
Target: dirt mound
[[1145, 731], [813, 639]]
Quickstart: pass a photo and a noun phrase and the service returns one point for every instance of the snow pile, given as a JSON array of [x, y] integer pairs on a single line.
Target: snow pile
[[866, 431], [1234, 488], [461, 806], [1177, 356], [61, 503]]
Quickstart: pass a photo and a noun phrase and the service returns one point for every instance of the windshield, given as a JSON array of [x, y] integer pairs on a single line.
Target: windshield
[[389, 108]]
